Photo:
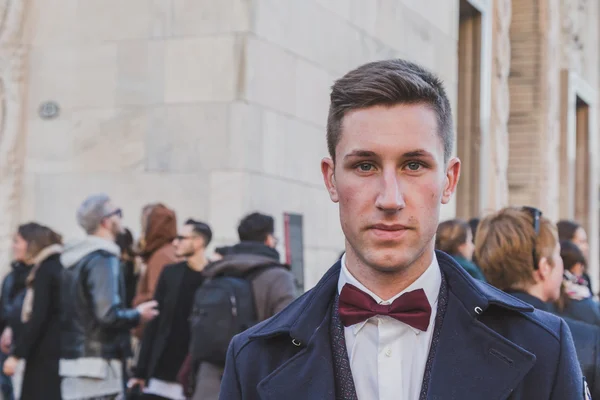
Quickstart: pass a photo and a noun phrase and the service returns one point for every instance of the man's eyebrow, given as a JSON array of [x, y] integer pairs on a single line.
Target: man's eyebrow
[[417, 153], [360, 153], [410, 154]]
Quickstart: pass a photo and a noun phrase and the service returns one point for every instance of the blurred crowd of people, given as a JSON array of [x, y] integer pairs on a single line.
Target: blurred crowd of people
[[110, 317], [544, 264]]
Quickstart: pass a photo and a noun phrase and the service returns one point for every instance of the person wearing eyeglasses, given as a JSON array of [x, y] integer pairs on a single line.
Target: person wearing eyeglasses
[[166, 339], [519, 252], [95, 323]]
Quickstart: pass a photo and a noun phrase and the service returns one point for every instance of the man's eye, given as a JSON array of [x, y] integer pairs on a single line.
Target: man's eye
[[413, 166], [365, 167]]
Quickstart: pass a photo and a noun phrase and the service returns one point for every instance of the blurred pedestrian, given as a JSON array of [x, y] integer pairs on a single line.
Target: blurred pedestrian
[[128, 265], [519, 251], [270, 287], [166, 339], [157, 252], [95, 325], [576, 301], [454, 237], [11, 302], [38, 345], [573, 232]]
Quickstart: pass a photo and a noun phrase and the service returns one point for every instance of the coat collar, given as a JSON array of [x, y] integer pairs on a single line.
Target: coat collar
[[475, 295], [305, 315]]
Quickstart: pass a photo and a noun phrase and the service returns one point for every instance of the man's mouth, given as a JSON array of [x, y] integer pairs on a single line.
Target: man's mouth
[[389, 231]]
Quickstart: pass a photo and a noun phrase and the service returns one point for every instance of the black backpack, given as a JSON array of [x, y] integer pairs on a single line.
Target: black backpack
[[223, 307]]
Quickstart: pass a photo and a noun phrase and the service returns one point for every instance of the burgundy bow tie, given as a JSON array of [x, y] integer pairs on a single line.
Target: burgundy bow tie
[[412, 308]]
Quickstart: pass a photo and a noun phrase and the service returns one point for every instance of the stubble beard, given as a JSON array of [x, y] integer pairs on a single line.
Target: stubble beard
[[402, 257], [186, 254]]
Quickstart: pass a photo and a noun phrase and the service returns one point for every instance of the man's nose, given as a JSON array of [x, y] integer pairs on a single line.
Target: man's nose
[[390, 198]]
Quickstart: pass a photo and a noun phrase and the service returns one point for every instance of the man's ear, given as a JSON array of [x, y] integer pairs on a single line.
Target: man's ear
[[451, 180], [544, 268], [328, 171]]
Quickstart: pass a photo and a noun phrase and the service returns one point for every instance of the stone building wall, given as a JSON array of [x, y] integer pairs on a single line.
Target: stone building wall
[[500, 106], [215, 108], [290, 70], [218, 108]]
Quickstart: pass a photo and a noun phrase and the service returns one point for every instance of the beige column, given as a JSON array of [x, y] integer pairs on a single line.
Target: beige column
[[13, 54], [500, 108], [534, 121]]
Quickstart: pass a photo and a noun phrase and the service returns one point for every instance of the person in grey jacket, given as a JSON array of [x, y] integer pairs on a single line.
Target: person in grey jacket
[[273, 288], [95, 323]]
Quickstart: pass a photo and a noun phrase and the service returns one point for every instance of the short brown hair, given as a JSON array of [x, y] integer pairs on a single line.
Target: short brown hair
[[451, 235], [504, 247], [38, 237], [388, 83]]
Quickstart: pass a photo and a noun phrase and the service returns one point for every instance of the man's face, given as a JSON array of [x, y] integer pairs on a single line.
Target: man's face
[[390, 180], [188, 243], [271, 241], [112, 221]]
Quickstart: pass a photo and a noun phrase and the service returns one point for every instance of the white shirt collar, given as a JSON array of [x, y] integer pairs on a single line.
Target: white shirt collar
[[430, 281]]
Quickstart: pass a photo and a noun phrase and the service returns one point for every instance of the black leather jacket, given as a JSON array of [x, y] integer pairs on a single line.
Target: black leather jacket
[[95, 322]]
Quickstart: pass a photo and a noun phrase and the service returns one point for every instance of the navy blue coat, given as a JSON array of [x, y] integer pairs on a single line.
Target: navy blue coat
[[586, 310], [492, 346]]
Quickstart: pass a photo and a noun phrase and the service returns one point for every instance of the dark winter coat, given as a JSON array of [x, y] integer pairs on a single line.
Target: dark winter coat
[[39, 341], [11, 300], [587, 343], [491, 346]]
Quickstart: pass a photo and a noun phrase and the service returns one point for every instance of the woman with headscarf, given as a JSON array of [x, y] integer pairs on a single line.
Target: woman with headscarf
[[39, 342]]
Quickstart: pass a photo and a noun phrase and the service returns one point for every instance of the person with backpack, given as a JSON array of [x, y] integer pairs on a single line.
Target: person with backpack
[[165, 342], [248, 285]]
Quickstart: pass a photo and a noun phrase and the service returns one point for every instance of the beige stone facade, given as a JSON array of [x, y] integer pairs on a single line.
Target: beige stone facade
[[218, 108]]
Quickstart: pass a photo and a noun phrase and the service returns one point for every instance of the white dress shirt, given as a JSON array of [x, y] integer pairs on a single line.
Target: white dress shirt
[[388, 357]]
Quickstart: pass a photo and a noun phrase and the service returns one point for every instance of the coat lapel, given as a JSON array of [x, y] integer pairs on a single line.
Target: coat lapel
[[307, 375], [471, 360]]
